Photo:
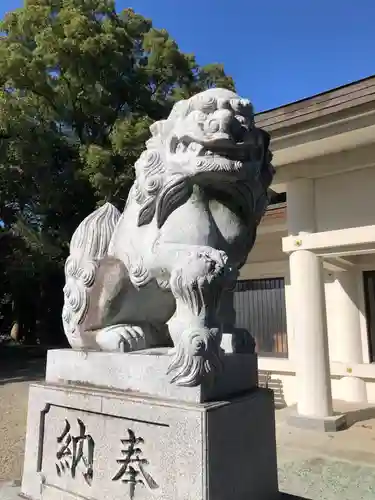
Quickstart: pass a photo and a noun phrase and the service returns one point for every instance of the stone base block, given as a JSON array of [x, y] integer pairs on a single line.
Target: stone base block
[[326, 424], [145, 372], [89, 443]]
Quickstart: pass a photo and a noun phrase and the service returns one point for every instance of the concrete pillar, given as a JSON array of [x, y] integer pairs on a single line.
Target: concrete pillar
[[311, 355], [348, 340], [311, 346]]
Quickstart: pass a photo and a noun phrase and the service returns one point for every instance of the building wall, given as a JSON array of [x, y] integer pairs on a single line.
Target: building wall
[[345, 200], [328, 138], [267, 260], [341, 201], [267, 248]]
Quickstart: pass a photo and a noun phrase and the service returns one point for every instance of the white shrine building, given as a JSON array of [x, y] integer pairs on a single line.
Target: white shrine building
[[307, 291]]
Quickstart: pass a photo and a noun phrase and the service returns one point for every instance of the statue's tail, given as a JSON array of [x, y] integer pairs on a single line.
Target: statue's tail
[[89, 244]]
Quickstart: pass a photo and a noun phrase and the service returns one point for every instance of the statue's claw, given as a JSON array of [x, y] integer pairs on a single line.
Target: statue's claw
[[121, 338]]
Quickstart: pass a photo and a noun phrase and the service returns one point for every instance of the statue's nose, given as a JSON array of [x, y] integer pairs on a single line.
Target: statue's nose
[[223, 124], [220, 122]]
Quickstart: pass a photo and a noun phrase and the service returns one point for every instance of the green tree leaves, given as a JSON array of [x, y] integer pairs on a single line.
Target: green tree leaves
[[80, 85]]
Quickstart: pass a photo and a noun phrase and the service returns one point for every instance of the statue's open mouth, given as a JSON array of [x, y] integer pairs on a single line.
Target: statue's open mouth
[[242, 154], [219, 148]]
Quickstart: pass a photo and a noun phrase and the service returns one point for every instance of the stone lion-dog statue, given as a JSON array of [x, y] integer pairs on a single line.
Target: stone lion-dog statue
[[154, 276]]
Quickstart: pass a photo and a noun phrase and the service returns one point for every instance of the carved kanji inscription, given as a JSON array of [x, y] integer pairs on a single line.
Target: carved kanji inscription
[[75, 449], [132, 465]]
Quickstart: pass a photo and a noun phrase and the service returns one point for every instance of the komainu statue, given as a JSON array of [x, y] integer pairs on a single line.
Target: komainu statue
[[154, 275]]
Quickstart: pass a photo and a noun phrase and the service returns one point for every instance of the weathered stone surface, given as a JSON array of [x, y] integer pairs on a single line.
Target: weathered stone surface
[[156, 275], [90, 443], [145, 372]]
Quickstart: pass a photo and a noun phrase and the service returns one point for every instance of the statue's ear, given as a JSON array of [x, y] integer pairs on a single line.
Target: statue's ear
[[147, 212], [174, 194]]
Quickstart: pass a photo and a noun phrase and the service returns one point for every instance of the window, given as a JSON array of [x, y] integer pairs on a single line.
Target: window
[[260, 309], [369, 284]]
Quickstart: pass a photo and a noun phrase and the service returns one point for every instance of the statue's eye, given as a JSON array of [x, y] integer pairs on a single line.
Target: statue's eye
[[242, 120], [193, 147], [173, 145], [238, 129], [212, 126], [181, 147], [223, 104]]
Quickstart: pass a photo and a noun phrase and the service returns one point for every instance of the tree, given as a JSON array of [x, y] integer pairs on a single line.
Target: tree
[[80, 85], [101, 77]]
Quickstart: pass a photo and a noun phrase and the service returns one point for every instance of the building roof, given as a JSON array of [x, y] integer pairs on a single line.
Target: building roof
[[320, 108]]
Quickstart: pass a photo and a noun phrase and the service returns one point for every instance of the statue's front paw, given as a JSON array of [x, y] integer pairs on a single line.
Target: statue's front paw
[[121, 338], [196, 355], [215, 261]]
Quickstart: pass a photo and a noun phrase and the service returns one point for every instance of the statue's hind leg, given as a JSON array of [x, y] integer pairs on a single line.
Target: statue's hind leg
[[119, 316], [197, 277]]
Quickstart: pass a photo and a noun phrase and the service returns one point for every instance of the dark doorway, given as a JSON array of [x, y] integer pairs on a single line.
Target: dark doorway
[[369, 285], [260, 308]]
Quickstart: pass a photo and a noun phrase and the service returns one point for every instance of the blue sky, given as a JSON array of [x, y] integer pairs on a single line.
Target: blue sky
[[278, 51]]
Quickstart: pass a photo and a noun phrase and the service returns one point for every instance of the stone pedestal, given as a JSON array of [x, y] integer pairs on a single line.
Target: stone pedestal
[[111, 427]]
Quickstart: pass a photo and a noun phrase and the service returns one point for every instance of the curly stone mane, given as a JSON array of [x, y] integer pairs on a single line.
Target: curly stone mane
[[161, 185]]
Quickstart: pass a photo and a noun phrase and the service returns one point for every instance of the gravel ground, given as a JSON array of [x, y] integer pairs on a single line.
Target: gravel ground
[[13, 407], [15, 377]]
